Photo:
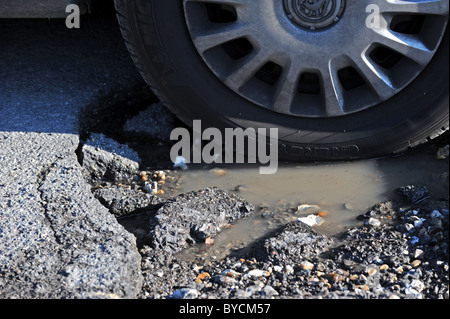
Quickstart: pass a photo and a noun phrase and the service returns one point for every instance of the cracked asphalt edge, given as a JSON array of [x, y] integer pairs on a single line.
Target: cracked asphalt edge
[[56, 239]]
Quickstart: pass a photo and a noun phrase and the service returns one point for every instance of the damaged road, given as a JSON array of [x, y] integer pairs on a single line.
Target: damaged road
[[56, 239], [81, 217]]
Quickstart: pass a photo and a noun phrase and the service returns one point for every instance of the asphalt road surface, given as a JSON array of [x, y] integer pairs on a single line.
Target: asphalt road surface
[[49, 247]]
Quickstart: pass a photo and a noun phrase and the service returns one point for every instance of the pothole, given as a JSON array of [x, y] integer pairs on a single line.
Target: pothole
[[227, 232]]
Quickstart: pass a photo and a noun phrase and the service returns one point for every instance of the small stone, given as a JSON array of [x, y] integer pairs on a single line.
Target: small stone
[[197, 267], [219, 172], [203, 276], [371, 271], [185, 293], [256, 273], [384, 267], [348, 206], [418, 223], [230, 273], [374, 222], [225, 280], [414, 194], [442, 152], [209, 241], [409, 226], [323, 213], [436, 214], [278, 268], [240, 188], [363, 287], [416, 263], [418, 253], [307, 209], [180, 162], [307, 265], [414, 240], [415, 288], [354, 277], [161, 175], [289, 269], [311, 220], [269, 291]]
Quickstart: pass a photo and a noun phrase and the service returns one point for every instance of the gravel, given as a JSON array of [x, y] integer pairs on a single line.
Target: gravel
[[399, 249], [382, 262]]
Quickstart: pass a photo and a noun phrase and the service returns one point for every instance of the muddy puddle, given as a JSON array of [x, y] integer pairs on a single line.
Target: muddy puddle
[[342, 190]]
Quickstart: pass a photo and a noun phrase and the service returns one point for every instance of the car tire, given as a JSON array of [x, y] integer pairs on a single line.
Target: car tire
[[164, 42]]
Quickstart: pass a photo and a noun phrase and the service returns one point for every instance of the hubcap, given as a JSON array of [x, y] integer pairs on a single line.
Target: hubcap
[[316, 58], [314, 14]]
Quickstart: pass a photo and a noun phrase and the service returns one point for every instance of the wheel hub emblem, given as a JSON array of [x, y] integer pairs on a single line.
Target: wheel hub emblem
[[314, 14]]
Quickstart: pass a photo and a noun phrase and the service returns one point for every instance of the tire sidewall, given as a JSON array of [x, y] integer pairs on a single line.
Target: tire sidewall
[[167, 55]]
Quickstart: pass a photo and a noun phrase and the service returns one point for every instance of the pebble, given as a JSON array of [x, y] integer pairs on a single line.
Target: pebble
[[323, 213], [230, 273], [219, 172], [418, 253], [278, 268], [416, 285], [371, 271], [436, 214], [180, 162], [209, 241], [409, 226], [308, 209], [442, 152], [384, 267], [200, 278], [348, 206], [289, 269], [185, 293], [225, 280], [307, 265], [269, 291], [416, 263], [256, 273], [419, 222], [240, 188], [311, 220], [414, 240], [374, 222]]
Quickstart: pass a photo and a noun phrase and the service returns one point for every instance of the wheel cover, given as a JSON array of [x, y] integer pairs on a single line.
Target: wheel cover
[[316, 58]]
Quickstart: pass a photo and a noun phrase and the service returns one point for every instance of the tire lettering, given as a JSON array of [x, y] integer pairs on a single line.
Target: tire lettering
[[321, 151]]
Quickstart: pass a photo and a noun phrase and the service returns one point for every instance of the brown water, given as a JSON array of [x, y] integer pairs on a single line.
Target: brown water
[[344, 189]]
